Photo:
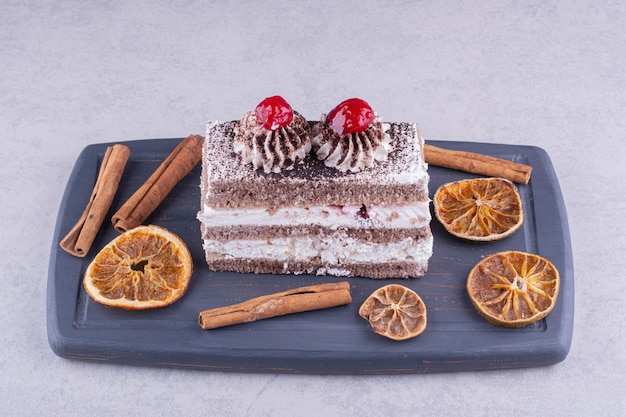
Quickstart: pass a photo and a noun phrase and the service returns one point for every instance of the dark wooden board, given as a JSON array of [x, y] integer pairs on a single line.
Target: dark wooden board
[[332, 341]]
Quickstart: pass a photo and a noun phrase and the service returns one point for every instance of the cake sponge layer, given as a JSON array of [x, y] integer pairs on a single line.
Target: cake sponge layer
[[381, 236]]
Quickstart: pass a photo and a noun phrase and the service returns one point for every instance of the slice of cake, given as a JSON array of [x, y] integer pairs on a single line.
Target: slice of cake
[[347, 196]]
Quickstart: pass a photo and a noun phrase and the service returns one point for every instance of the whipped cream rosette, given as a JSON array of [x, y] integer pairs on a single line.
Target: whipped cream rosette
[[273, 136], [352, 137]]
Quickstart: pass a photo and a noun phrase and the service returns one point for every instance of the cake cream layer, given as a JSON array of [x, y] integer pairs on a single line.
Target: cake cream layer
[[227, 183], [397, 216], [322, 255]]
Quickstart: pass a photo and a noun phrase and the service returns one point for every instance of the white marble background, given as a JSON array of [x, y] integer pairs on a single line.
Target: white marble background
[[546, 73]]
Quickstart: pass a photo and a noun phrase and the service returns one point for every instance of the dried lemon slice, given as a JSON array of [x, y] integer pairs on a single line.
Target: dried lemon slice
[[145, 267], [481, 209], [395, 311], [513, 289]]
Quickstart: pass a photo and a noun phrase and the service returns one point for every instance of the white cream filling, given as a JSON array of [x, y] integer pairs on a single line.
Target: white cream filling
[[410, 215], [329, 250]]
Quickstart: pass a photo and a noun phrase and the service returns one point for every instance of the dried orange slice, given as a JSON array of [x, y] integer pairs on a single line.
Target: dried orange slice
[[480, 209], [513, 289], [145, 267], [395, 311]]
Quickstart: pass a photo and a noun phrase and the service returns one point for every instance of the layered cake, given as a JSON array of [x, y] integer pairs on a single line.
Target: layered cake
[[345, 196]]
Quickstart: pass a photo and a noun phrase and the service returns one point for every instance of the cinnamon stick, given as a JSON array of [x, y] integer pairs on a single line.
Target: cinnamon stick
[[148, 197], [297, 300], [79, 239], [476, 163]]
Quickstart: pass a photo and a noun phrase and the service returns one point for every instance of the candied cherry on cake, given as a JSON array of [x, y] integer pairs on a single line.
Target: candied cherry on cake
[[350, 116], [274, 113]]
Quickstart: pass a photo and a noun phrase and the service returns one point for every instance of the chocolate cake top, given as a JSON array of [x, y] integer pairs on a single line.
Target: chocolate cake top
[[226, 182]]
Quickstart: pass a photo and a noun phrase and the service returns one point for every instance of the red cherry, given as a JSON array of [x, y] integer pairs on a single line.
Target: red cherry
[[273, 113], [350, 116]]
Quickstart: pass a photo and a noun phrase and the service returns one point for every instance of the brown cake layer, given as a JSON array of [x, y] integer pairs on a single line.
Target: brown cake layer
[[267, 232], [227, 183], [398, 269]]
